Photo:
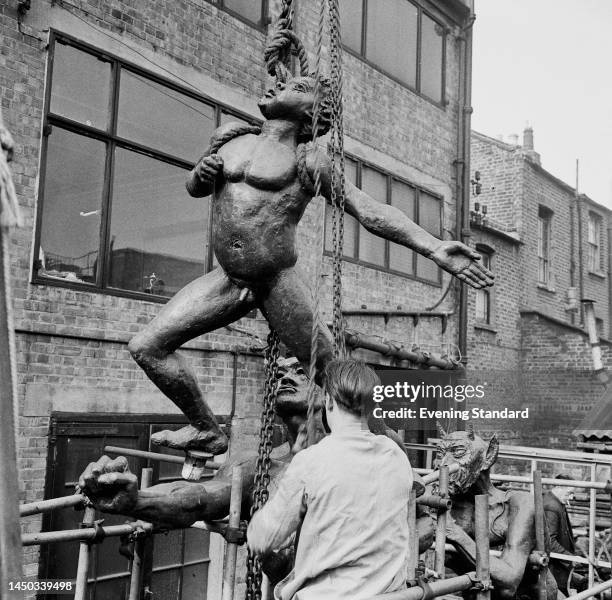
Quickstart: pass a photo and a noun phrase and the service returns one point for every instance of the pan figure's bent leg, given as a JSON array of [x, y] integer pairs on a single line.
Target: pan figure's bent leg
[[209, 302], [287, 304]]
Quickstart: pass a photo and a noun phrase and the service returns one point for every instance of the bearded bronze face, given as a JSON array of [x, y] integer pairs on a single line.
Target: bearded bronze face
[[471, 453]]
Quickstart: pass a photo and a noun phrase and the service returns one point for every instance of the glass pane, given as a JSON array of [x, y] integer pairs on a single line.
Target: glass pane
[[196, 544], [391, 38], [350, 223], [229, 118], [427, 269], [432, 43], [158, 232], [429, 214], [249, 9], [168, 548], [111, 590], [400, 257], [162, 118], [195, 579], [165, 585], [70, 232], [81, 86], [371, 247], [351, 16]]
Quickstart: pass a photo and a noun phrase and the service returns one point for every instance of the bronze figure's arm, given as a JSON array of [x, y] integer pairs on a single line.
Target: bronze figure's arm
[[507, 570], [113, 488], [392, 224]]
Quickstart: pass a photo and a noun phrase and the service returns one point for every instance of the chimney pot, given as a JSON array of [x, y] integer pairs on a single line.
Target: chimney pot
[[528, 138]]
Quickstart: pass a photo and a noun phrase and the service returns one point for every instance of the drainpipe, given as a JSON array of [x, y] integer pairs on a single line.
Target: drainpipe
[[591, 327], [573, 253], [463, 167], [609, 278], [580, 253]]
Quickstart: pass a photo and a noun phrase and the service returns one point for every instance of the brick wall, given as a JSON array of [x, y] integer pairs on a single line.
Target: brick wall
[[536, 351], [72, 344]]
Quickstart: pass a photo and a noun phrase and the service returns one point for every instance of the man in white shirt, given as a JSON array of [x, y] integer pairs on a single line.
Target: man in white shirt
[[347, 496]]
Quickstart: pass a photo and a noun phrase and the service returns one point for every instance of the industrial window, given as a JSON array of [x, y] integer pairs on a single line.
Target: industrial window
[[483, 296], [113, 210], [595, 228], [175, 565], [364, 247], [253, 12], [400, 39], [544, 228]]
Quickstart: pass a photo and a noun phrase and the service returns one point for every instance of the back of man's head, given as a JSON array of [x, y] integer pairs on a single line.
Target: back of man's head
[[350, 383]]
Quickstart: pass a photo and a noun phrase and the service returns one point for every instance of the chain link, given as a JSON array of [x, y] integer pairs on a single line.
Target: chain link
[[337, 173], [262, 468]]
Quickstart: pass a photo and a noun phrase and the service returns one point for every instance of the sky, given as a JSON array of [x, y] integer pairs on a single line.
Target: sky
[[548, 63]]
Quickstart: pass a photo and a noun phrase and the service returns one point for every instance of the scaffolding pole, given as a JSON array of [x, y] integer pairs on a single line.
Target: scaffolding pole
[[10, 532], [441, 522], [231, 552], [481, 532], [146, 478], [80, 590]]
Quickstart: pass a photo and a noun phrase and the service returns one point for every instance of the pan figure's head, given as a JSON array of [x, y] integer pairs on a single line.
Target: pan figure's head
[[294, 100], [473, 455]]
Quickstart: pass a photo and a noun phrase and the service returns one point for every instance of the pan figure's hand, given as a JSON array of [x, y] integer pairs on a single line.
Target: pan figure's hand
[[209, 168], [110, 485], [463, 262]]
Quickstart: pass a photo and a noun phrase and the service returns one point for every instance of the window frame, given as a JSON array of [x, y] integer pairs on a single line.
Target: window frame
[[488, 293], [112, 141], [263, 23], [362, 54], [545, 217], [360, 163], [595, 224]]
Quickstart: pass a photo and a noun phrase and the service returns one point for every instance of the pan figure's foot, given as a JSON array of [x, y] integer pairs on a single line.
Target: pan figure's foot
[[191, 438]]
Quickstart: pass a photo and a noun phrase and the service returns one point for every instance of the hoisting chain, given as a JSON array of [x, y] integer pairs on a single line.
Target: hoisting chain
[[337, 174], [277, 60], [262, 468]]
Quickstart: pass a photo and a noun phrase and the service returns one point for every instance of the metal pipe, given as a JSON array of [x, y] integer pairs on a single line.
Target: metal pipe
[[413, 548], [229, 566], [437, 588], [538, 502], [431, 476], [609, 230], [358, 340], [179, 460], [591, 327], [592, 591], [441, 522], [80, 590], [146, 479], [481, 532], [441, 504], [366, 312], [531, 452], [71, 535], [42, 506], [463, 197], [592, 532], [535, 558]]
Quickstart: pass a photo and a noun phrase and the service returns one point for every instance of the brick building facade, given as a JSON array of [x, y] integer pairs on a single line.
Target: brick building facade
[[110, 103], [549, 248]]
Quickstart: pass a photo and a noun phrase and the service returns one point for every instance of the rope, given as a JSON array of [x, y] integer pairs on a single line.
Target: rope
[[316, 322]]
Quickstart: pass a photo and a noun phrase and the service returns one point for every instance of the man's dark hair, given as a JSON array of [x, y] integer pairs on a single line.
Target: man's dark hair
[[350, 383], [564, 477]]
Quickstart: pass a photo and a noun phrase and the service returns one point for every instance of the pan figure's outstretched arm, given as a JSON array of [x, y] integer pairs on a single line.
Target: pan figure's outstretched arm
[[390, 223]]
